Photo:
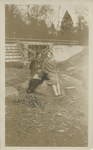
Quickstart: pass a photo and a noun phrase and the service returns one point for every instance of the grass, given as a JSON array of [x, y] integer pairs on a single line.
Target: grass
[[18, 65], [42, 120]]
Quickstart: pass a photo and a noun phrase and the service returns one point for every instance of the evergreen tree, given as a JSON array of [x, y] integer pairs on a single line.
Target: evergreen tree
[[52, 31], [66, 27]]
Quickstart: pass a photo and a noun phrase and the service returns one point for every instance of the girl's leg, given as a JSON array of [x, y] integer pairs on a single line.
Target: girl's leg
[[55, 89], [58, 88]]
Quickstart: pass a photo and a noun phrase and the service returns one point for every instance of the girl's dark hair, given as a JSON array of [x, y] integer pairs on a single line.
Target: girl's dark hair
[[38, 52]]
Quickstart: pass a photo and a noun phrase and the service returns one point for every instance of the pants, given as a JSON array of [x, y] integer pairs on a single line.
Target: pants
[[35, 82]]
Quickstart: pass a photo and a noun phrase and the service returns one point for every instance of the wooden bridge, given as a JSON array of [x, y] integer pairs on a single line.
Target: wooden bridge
[[24, 49]]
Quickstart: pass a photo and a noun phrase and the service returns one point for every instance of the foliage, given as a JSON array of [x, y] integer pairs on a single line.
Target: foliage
[[82, 31], [66, 27], [36, 22], [67, 23]]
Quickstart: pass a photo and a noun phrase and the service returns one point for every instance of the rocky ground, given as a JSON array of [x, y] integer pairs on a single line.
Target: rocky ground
[[40, 119]]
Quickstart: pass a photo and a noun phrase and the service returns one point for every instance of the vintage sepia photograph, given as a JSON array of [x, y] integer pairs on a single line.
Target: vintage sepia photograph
[[46, 75]]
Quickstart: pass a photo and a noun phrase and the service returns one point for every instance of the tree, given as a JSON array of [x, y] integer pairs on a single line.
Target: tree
[[42, 30], [19, 27], [38, 13], [82, 30], [66, 26], [52, 31], [14, 25], [9, 19]]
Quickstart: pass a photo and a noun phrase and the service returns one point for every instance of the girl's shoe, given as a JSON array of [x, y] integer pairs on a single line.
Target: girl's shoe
[[61, 97], [56, 96]]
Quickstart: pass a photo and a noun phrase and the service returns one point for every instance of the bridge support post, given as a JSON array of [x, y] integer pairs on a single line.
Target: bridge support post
[[26, 53]]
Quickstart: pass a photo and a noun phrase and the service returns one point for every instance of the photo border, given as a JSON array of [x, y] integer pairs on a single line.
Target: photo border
[[2, 71]]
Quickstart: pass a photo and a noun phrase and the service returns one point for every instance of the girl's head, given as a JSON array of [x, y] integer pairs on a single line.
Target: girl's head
[[38, 55], [50, 54], [51, 46]]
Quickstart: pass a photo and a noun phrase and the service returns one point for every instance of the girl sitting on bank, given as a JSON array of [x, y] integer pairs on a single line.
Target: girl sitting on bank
[[49, 68], [37, 76]]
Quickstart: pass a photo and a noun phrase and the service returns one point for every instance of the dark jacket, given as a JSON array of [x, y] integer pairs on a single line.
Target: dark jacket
[[35, 66]]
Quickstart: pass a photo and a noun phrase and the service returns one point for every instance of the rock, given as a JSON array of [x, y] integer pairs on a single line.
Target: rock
[[65, 81], [47, 89], [11, 93], [42, 87], [71, 92], [24, 85]]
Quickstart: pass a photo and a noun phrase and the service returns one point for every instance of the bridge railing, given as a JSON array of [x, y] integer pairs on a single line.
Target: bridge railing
[[46, 41], [27, 53]]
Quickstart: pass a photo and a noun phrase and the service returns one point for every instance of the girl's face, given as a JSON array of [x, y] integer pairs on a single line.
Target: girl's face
[[49, 55], [39, 56]]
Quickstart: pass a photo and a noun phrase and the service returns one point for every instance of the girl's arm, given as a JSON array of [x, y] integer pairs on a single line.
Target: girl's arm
[[32, 66], [44, 67]]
